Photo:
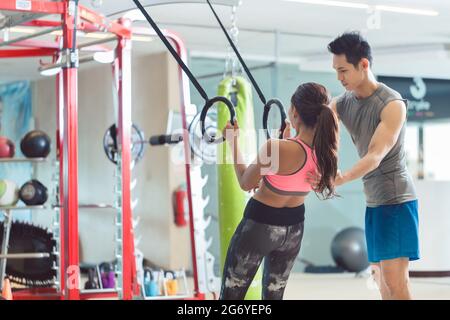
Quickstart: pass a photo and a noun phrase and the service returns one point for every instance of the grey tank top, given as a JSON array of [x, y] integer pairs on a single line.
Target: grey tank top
[[390, 183]]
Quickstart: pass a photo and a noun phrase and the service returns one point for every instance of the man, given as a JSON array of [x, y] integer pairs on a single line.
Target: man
[[375, 116]]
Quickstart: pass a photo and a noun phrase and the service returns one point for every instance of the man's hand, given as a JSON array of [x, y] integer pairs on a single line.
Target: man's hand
[[339, 179], [313, 178]]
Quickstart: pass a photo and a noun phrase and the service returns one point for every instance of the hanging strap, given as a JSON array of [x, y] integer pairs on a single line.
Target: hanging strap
[[236, 51], [267, 104], [208, 102]]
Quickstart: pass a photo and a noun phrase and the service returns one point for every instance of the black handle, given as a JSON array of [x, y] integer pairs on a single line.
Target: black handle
[[165, 139], [267, 108], [209, 103]]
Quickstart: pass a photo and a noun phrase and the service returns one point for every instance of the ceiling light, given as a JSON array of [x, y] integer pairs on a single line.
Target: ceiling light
[[358, 5], [344, 4], [407, 10]]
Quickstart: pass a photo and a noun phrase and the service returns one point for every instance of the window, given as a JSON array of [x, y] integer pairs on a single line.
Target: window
[[436, 150]]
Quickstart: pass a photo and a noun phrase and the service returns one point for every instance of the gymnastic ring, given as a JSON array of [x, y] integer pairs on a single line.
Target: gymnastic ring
[[267, 108], [205, 109]]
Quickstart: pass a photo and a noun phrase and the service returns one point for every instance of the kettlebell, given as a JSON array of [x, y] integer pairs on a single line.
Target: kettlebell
[[91, 283], [171, 283], [33, 193], [107, 275], [150, 285]]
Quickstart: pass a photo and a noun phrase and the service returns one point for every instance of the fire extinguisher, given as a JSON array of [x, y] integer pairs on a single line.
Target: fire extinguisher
[[181, 209]]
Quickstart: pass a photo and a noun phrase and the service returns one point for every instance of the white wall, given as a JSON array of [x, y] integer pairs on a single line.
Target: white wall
[[434, 223], [154, 91]]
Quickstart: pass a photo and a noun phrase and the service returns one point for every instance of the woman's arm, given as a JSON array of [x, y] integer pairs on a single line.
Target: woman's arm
[[248, 176]]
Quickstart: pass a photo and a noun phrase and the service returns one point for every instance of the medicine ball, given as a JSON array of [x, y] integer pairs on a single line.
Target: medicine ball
[[9, 193], [33, 193], [35, 144], [349, 250], [7, 148]]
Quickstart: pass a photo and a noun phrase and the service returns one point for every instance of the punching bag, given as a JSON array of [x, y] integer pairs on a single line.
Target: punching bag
[[231, 198]]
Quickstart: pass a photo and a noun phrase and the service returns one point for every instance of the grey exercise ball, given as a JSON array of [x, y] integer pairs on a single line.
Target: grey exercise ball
[[349, 250]]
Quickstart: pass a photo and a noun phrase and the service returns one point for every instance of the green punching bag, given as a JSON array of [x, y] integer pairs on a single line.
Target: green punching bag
[[231, 198]]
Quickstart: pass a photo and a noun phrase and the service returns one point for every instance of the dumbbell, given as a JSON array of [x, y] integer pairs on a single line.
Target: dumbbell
[[165, 139], [91, 283], [107, 275]]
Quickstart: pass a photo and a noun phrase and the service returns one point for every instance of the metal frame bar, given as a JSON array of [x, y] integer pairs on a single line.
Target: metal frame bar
[[29, 36], [69, 185], [34, 44], [67, 151], [82, 25], [41, 44], [27, 53], [60, 192], [35, 6], [42, 23], [67, 140], [91, 21], [102, 23], [123, 86], [185, 99], [33, 255], [96, 42], [5, 244]]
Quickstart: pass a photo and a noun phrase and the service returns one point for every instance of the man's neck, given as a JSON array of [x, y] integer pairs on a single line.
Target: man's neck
[[367, 88]]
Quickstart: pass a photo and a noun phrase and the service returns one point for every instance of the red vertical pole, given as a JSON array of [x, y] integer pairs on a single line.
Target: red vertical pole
[[60, 157], [124, 126], [185, 100], [70, 164]]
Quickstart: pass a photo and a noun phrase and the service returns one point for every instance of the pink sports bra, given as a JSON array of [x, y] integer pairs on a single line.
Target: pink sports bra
[[295, 183]]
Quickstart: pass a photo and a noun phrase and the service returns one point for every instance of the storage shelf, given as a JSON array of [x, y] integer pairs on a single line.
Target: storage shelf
[[23, 159], [42, 207]]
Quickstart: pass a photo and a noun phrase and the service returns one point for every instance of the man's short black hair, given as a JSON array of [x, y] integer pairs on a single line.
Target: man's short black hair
[[353, 45]]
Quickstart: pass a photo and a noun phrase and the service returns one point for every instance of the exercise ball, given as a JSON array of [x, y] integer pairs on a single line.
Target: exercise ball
[[9, 193], [6, 148], [35, 144], [33, 193], [349, 250]]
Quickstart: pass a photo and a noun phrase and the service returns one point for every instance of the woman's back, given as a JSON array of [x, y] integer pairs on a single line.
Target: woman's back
[[287, 186]]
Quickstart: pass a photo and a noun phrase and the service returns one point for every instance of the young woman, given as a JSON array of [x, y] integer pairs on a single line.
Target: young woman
[[272, 226]]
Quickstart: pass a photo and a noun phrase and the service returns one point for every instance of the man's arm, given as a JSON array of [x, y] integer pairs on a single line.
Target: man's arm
[[386, 135]]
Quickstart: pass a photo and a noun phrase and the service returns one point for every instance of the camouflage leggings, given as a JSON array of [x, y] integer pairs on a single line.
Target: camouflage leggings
[[251, 242]]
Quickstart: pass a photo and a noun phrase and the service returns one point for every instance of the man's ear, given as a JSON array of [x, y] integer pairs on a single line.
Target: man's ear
[[365, 63]]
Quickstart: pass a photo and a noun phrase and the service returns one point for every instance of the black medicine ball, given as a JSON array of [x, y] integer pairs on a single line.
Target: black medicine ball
[[33, 193], [35, 144]]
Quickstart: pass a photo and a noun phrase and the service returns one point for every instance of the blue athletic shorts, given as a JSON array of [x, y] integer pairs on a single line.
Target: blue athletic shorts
[[392, 231]]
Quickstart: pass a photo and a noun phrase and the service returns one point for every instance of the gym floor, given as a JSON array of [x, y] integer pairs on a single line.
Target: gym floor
[[348, 286], [302, 286]]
